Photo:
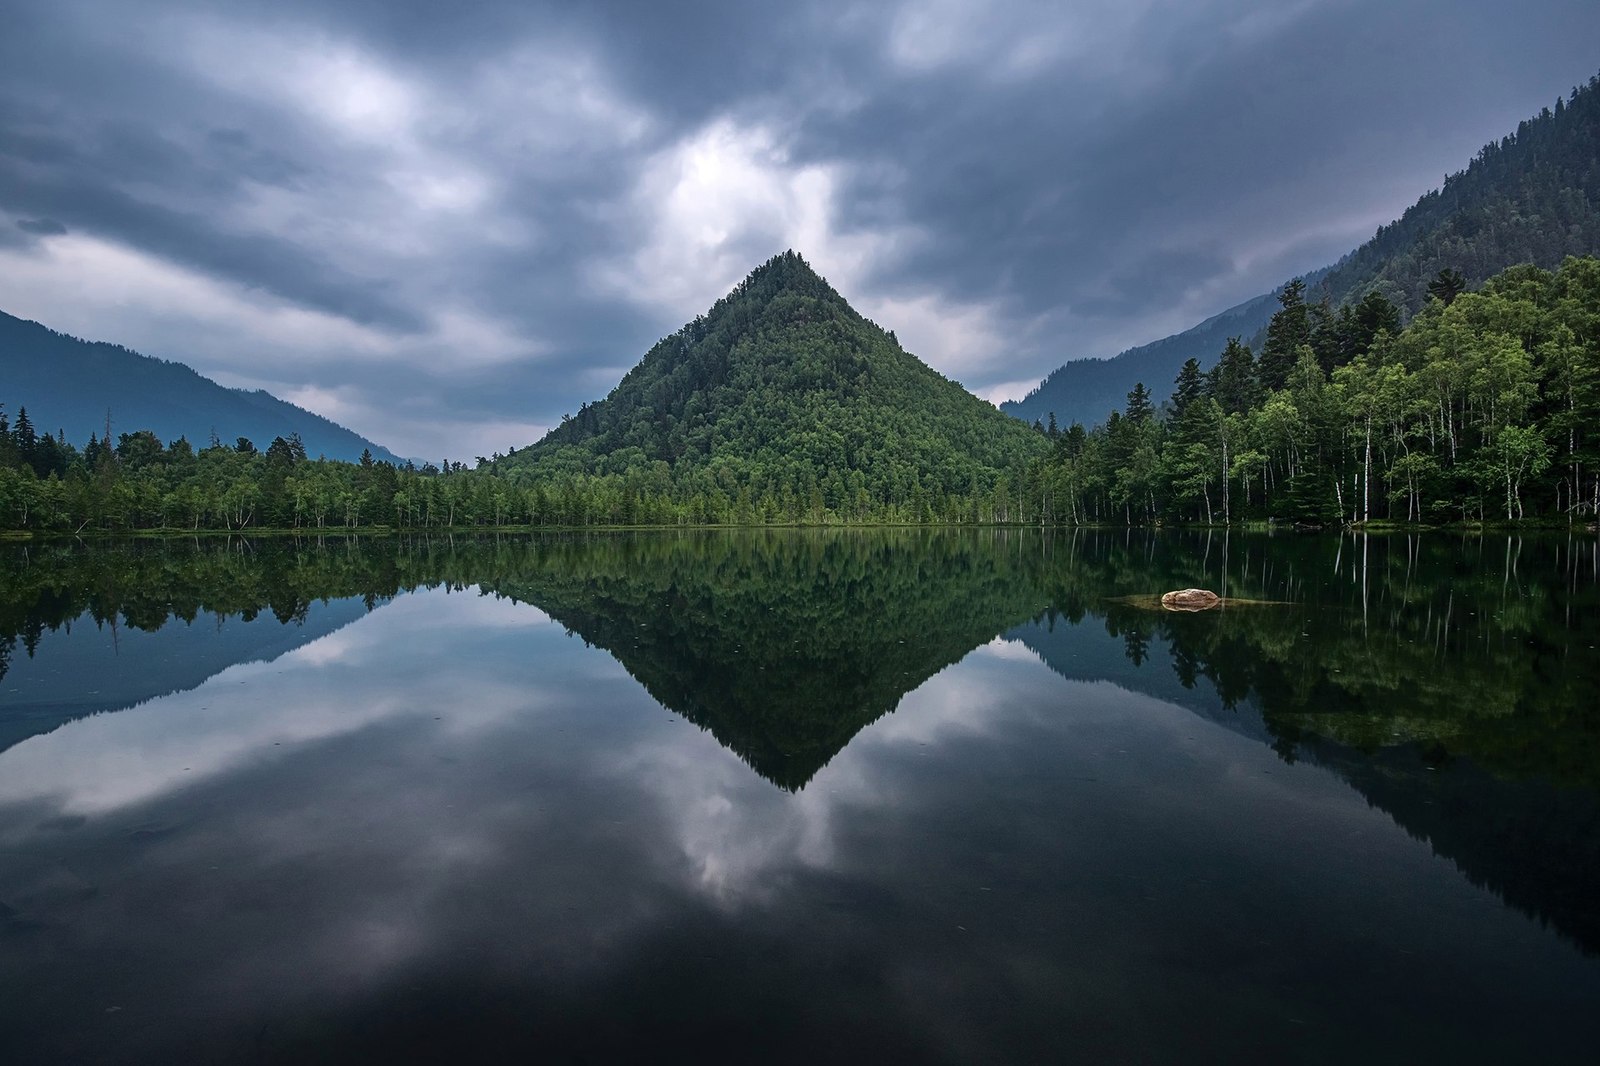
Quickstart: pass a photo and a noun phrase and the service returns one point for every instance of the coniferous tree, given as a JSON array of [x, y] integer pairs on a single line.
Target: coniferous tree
[[1139, 407], [24, 436], [1447, 285], [1233, 382], [1375, 314], [1288, 332], [1190, 386]]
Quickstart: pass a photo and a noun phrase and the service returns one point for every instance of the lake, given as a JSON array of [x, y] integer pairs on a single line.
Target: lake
[[799, 796]]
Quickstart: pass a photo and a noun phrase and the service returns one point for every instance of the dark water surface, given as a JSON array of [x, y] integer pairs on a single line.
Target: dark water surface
[[800, 797]]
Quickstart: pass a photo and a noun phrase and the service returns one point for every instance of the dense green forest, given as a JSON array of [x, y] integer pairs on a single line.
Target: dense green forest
[[782, 389], [1531, 197], [1485, 407], [48, 485], [781, 405]]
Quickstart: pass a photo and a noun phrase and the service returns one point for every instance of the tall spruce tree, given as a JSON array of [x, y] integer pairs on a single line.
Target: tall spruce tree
[[1139, 407], [1289, 330], [1447, 285], [1190, 386], [1233, 382]]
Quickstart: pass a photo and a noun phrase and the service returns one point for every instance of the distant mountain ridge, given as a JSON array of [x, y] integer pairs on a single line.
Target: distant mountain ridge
[[1086, 390], [68, 384], [1532, 197], [782, 388]]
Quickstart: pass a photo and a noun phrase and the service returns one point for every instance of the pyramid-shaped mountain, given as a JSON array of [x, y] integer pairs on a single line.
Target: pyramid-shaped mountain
[[783, 387]]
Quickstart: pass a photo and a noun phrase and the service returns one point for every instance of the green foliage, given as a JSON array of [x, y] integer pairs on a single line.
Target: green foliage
[[1289, 331], [1483, 408], [785, 407], [781, 406], [783, 391]]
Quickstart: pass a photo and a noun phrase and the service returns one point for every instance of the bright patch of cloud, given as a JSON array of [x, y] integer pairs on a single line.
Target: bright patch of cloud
[[725, 198], [330, 80], [1008, 390], [134, 293], [716, 203], [959, 340]]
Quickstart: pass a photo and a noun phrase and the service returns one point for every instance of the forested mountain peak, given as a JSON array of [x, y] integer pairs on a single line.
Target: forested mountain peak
[[782, 391], [785, 273], [785, 288]]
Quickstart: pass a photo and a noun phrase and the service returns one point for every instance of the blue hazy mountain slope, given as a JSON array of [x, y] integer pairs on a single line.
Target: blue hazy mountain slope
[[68, 384], [1086, 390]]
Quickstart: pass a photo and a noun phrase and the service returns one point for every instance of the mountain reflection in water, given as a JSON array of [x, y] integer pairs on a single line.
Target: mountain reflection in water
[[401, 800]]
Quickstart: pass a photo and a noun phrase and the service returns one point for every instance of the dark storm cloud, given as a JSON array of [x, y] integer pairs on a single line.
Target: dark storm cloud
[[447, 231], [1057, 192], [276, 264], [41, 227]]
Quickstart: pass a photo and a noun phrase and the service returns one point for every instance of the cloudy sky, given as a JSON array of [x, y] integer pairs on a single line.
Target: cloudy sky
[[446, 225]]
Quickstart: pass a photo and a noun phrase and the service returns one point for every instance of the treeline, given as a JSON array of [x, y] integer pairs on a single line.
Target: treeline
[[137, 483], [782, 406], [1486, 406]]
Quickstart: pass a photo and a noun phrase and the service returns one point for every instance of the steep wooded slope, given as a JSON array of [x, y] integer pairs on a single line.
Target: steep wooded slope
[[781, 386]]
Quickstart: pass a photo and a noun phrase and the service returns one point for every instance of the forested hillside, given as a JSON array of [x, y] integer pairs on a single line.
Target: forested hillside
[[1485, 407], [71, 387], [1532, 197], [780, 391]]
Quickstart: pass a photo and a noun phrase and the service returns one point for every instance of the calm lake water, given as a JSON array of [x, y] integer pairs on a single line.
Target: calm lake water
[[799, 797]]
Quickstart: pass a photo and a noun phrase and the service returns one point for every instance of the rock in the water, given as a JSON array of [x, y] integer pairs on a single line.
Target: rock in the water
[[1190, 600]]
